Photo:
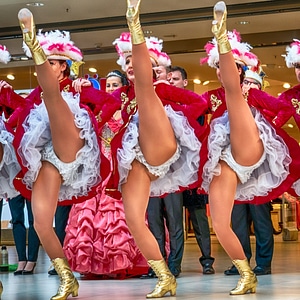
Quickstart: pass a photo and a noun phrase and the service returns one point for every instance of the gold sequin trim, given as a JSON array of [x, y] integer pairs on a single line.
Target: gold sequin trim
[[296, 104], [215, 102]]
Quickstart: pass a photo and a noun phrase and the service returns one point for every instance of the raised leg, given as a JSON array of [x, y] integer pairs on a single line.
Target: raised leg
[[156, 136], [246, 145], [66, 142]]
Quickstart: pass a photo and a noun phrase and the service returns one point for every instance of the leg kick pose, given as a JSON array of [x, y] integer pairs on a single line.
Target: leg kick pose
[[246, 149], [158, 144]]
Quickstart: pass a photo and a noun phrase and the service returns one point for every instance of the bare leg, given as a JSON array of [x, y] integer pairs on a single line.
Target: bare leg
[[221, 203], [157, 140], [44, 202], [65, 135], [246, 145], [135, 195]]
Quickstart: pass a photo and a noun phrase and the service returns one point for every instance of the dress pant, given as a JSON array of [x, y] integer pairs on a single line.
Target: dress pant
[[1, 204], [200, 224], [241, 217], [169, 208], [16, 206], [61, 219]]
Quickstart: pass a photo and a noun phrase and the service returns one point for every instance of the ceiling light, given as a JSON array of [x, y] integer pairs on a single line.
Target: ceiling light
[[93, 70], [34, 74], [243, 22], [286, 85], [148, 31], [197, 81], [290, 125], [206, 82], [24, 58], [10, 77], [36, 4]]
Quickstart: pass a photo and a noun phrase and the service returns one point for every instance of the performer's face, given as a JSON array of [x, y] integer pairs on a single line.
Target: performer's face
[[129, 69], [58, 68], [113, 83]]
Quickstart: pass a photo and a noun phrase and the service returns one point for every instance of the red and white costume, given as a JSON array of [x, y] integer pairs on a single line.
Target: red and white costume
[[279, 166]]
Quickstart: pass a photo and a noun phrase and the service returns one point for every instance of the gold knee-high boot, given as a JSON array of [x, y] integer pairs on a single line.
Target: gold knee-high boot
[[29, 36], [133, 21], [248, 281], [166, 280], [68, 282], [1, 289]]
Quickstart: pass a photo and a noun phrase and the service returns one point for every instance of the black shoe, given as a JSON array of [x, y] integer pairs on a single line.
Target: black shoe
[[262, 270], [149, 275], [231, 271], [208, 269], [29, 272], [18, 272], [52, 272]]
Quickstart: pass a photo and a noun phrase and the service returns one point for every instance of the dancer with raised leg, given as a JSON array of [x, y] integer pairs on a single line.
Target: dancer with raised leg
[[67, 147], [246, 150], [150, 152], [247, 157], [157, 144]]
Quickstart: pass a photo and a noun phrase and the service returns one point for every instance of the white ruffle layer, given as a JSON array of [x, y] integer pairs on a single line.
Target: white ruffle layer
[[296, 187], [9, 166], [37, 135], [182, 173], [270, 174]]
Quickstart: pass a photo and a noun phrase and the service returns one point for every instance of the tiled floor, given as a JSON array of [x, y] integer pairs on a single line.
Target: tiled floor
[[283, 284]]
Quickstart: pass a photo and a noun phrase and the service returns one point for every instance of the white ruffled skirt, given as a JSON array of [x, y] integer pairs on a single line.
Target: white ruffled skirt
[[9, 166], [37, 136], [296, 187], [268, 175], [182, 172]]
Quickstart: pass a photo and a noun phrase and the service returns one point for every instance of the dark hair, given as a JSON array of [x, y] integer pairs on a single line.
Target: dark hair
[[181, 70], [242, 75], [119, 74], [67, 71]]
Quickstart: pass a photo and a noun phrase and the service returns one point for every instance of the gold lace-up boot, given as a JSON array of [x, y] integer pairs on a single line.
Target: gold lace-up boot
[[29, 36], [248, 281], [68, 283], [166, 280], [219, 27], [133, 21]]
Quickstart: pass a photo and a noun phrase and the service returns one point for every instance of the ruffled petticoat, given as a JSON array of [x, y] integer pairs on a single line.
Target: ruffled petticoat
[[268, 175], [182, 172], [37, 138], [9, 166]]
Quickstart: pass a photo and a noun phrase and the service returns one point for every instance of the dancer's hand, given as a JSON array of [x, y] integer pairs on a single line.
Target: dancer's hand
[[79, 83], [219, 27], [4, 85]]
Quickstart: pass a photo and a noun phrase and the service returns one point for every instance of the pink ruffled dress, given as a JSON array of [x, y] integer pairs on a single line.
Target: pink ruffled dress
[[97, 239]]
